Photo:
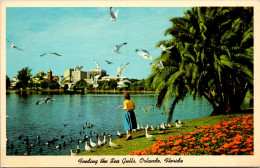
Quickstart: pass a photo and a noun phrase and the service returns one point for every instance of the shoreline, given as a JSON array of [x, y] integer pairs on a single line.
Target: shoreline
[[61, 91]]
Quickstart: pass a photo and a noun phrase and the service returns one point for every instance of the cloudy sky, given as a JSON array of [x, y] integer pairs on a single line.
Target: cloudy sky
[[84, 34]]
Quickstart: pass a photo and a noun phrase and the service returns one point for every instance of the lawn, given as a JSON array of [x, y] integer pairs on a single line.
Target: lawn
[[140, 142]]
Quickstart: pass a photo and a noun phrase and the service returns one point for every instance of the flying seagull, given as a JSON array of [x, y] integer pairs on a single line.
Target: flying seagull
[[44, 100], [53, 53], [95, 81], [113, 14], [109, 62], [116, 50], [147, 109], [13, 46], [145, 54], [160, 65], [165, 48]]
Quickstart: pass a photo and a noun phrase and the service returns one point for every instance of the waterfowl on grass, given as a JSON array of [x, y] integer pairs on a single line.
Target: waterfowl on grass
[[72, 154], [92, 144], [99, 142], [105, 140], [119, 134], [111, 143], [178, 125], [148, 135], [87, 147]]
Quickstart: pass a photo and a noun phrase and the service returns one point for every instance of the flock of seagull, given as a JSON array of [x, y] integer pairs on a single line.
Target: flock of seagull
[[88, 140]]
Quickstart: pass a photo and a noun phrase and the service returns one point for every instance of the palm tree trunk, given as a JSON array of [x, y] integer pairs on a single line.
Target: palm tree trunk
[[174, 103]]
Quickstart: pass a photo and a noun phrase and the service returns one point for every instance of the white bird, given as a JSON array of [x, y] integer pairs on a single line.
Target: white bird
[[120, 70], [92, 144], [99, 142], [178, 125], [72, 154], [13, 46], [117, 48], [87, 147], [113, 14], [138, 127], [95, 80], [142, 127], [119, 134], [51, 53], [165, 48], [111, 143], [44, 100], [160, 65], [105, 140], [169, 125], [145, 54], [148, 135], [152, 129], [147, 126], [147, 109]]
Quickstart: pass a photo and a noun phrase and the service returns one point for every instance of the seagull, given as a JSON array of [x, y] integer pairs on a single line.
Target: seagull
[[116, 50], [113, 14], [145, 54], [160, 65], [99, 142], [92, 144], [44, 100], [13, 46], [180, 122], [51, 53], [108, 62], [152, 129], [72, 154], [178, 125], [165, 48], [111, 143], [105, 140], [148, 135], [147, 109], [95, 80], [87, 147], [119, 134]]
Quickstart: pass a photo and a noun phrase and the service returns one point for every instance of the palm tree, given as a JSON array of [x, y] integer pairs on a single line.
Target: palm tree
[[212, 58]]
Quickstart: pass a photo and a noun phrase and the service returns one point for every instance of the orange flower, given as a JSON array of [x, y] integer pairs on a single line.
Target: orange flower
[[206, 144], [214, 141], [160, 150], [234, 150], [226, 145], [170, 144], [252, 153], [185, 148], [243, 150]]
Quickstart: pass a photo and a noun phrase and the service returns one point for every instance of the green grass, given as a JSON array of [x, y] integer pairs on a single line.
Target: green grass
[[139, 140]]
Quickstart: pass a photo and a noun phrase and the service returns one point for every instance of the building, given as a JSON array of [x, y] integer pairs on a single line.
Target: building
[[96, 71], [73, 75], [50, 77]]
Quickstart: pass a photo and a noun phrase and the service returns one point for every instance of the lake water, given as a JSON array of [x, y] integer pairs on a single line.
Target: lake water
[[48, 120]]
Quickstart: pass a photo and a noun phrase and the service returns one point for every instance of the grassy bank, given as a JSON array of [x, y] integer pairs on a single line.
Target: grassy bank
[[139, 140]]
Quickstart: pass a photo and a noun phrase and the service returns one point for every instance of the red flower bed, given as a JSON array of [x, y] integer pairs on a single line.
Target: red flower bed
[[231, 137]]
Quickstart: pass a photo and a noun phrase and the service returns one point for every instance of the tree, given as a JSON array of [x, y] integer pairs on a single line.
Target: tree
[[24, 76], [54, 85], [212, 58], [45, 84], [81, 84], [8, 82]]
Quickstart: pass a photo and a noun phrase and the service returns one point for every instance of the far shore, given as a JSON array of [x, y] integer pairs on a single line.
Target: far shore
[[61, 91]]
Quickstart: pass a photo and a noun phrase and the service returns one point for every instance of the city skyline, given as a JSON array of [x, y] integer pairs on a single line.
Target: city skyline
[[82, 35]]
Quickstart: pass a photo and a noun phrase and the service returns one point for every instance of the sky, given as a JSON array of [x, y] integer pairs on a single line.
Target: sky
[[84, 34]]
